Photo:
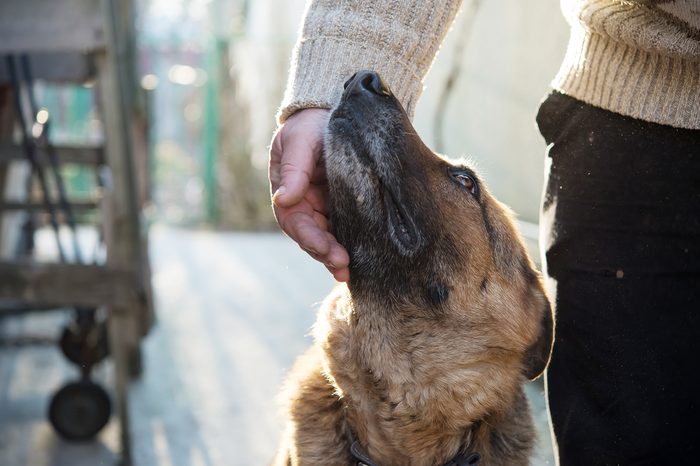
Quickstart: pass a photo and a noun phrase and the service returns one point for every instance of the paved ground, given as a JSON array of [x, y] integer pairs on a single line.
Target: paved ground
[[233, 311]]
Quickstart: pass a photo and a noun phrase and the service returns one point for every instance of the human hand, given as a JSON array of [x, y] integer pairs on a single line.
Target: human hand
[[300, 191]]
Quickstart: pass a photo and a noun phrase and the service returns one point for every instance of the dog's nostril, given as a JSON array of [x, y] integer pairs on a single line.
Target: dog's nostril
[[369, 82], [347, 83], [364, 82], [373, 83]]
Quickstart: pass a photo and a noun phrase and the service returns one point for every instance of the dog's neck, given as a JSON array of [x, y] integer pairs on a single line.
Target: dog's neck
[[359, 454], [417, 445], [402, 409]]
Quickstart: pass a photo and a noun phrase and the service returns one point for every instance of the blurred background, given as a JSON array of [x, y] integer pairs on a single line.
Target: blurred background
[[231, 299]]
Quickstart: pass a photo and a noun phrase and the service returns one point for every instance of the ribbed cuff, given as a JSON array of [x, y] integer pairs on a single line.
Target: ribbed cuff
[[323, 64], [645, 85]]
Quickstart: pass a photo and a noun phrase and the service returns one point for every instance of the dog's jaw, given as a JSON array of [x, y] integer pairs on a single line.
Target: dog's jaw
[[374, 204], [368, 197]]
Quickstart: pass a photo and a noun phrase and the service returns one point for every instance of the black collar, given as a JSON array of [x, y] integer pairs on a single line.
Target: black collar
[[363, 459]]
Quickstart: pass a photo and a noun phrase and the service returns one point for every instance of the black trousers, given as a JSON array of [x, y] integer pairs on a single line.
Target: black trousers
[[621, 219]]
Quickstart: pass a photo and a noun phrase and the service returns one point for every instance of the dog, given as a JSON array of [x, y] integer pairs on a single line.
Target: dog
[[421, 358]]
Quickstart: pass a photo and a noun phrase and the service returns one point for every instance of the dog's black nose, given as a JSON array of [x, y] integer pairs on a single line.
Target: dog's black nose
[[368, 81]]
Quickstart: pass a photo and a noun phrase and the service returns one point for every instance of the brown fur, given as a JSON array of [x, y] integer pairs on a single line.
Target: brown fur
[[424, 353]]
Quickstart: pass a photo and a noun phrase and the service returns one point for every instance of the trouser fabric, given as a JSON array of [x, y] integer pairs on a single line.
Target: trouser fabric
[[620, 227]]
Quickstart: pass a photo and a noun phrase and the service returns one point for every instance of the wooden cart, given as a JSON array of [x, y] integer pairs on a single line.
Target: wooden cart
[[82, 41]]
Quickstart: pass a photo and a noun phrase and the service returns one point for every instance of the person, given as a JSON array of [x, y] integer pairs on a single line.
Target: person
[[620, 219]]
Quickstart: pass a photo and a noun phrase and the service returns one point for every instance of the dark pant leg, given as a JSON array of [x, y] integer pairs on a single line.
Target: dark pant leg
[[621, 219]]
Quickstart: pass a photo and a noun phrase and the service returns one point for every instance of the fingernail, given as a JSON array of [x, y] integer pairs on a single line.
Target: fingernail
[[281, 190]]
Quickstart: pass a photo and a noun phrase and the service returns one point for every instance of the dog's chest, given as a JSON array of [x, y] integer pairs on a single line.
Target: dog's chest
[[384, 367]]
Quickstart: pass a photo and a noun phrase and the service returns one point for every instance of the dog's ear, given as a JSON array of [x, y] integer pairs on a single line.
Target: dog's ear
[[538, 354], [511, 258]]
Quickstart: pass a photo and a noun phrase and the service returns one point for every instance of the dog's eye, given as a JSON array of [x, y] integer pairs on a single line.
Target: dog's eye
[[466, 180]]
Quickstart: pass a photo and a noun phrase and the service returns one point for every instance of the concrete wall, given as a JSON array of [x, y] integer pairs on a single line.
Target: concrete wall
[[513, 51]]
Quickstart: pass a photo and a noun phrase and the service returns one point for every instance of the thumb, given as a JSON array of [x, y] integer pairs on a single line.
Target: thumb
[[295, 154], [296, 165]]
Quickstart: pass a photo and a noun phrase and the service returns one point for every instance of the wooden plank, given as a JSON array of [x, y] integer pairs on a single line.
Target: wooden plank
[[50, 25], [6, 185], [120, 330], [67, 284], [123, 231], [70, 67], [81, 155]]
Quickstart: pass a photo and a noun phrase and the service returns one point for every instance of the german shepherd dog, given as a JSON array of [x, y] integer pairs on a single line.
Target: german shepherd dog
[[421, 359]]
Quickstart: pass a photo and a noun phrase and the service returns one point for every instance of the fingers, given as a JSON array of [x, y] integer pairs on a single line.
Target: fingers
[[338, 261], [295, 154], [311, 233], [295, 175], [289, 179], [340, 275], [273, 168], [300, 195], [317, 196], [301, 227]]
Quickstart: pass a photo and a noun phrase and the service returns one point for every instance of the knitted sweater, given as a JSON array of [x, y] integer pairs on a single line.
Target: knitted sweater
[[639, 58]]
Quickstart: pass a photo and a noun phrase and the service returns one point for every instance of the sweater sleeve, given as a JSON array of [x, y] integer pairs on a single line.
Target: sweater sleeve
[[397, 38]]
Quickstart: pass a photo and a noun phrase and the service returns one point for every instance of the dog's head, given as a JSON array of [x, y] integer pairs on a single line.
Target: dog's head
[[425, 231]]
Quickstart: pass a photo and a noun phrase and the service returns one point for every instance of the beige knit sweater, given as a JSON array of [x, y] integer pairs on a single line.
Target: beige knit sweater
[[639, 58]]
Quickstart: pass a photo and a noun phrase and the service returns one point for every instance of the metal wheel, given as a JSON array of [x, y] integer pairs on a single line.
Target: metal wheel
[[79, 410]]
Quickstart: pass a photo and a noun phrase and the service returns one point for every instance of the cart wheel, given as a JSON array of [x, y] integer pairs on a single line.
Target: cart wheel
[[85, 346], [79, 410]]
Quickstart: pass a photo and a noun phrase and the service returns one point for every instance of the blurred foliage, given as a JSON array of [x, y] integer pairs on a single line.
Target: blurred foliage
[[243, 187], [199, 126]]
